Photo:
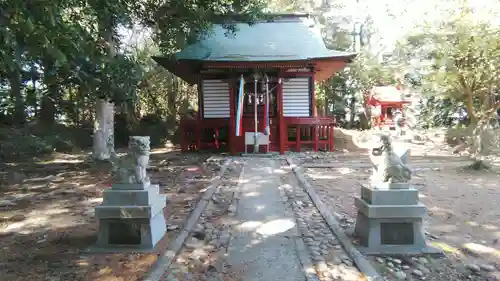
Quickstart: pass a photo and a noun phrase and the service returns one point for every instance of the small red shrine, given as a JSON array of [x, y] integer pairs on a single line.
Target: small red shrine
[[385, 101], [271, 64]]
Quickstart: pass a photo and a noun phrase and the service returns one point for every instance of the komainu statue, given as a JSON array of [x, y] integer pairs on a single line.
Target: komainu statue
[[132, 167], [389, 167]]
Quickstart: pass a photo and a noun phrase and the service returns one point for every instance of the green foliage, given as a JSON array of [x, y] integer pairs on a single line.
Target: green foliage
[[459, 60], [32, 141], [73, 41], [347, 88], [58, 57], [178, 22], [434, 111]]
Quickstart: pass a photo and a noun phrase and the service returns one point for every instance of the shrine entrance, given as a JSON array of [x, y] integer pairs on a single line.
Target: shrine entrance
[[255, 97]]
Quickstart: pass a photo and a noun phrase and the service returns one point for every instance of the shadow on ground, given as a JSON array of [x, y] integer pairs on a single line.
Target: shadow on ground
[[47, 215]]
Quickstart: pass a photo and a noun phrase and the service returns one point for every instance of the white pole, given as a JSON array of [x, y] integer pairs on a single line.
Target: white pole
[[267, 107], [255, 144]]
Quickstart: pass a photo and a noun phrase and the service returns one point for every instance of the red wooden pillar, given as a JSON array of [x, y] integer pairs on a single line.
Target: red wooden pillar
[[316, 137], [263, 122], [199, 116], [282, 126], [182, 132], [232, 121], [331, 130], [314, 110], [297, 137], [198, 131], [216, 138], [313, 95]]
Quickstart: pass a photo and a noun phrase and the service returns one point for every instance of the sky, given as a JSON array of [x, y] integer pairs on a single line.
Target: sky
[[133, 37], [396, 18]]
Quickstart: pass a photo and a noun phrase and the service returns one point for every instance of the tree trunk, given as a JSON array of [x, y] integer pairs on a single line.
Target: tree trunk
[[16, 95], [326, 107], [104, 140], [365, 118], [33, 99], [469, 104], [103, 130], [172, 106], [16, 84], [479, 145], [48, 104], [352, 108]]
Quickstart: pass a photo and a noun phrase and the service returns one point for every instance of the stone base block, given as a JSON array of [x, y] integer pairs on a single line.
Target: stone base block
[[140, 197], [391, 236], [131, 211], [391, 185], [136, 234], [375, 196], [130, 186], [397, 250], [390, 211]]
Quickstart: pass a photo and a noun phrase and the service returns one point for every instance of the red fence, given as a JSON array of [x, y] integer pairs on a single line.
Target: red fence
[[315, 132], [300, 133], [207, 134]]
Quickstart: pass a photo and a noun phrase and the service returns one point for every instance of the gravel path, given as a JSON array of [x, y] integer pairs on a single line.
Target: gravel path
[[262, 227], [263, 239], [202, 255], [329, 258]]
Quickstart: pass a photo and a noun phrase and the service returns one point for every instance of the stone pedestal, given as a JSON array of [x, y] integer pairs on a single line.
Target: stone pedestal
[[390, 221], [131, 216]]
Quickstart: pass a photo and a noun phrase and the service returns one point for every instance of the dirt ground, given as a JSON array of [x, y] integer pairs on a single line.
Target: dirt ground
[[464, 208], [47, 215]]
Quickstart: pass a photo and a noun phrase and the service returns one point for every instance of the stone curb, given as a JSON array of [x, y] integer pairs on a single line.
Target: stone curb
[[364, 266], [163, 262], [367, 166], [259, 155], [233, 211], [233, 207], [300, 247]]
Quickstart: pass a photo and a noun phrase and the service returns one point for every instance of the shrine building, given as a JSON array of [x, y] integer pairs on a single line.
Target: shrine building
[[259, 79], [385, 102]]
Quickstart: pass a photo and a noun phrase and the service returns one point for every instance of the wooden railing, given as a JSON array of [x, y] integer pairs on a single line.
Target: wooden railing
[[309, 131], [208, 134], [299, 132]]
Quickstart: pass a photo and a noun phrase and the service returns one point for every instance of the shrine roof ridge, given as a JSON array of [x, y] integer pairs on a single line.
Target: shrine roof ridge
[[265, 17]]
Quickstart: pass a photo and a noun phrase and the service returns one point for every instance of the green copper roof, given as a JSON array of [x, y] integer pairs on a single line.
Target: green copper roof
[[285, 39]]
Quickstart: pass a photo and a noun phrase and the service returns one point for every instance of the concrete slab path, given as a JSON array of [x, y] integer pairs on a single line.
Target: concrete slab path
[[263, 240]]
